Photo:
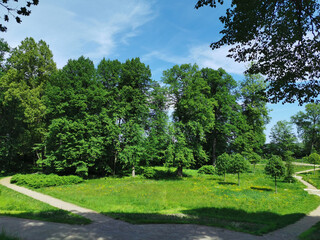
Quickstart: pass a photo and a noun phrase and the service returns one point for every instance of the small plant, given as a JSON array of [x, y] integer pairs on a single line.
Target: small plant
[[207, 169], [222, 164], [314, 159], [289, 167], [238, 164], [275, 168], [253, 158]]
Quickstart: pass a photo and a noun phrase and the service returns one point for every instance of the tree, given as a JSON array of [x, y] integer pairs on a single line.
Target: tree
[[75, 140], [193, 114], [222, 90], [14, 11], [238, 164], [287, 156], [253, 158], [157, 127], [282, 137], [222, 164], [275, 168], [281, 36], [314, 159], [252, 116], [308, 125], [22, 105]]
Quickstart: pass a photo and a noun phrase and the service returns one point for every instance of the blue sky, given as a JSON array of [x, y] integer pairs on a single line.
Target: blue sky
[[161, 32]]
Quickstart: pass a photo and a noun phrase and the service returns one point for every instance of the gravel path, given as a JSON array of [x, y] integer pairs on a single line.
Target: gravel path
[[104, 227]]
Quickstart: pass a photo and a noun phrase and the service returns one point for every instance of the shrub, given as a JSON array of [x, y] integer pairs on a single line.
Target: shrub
[[149, 173], [42, 180], [207, 169]]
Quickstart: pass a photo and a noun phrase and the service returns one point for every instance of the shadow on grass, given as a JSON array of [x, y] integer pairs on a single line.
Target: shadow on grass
[[257, 223], [58, 216], [227, 183], [262, 189]]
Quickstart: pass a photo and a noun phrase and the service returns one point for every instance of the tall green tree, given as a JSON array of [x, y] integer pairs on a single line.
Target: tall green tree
[[281, 37], [29, 68], [308, 125], [222, 90], [74, 100], [193, 113], [157, 130], [254, 115], [282, 138]]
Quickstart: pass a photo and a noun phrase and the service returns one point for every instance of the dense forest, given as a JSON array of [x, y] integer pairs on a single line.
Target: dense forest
[[114, 118]]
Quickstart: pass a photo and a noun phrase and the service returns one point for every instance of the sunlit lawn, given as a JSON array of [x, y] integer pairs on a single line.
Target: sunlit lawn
[[17, 205], [312, 178], [252, 207]]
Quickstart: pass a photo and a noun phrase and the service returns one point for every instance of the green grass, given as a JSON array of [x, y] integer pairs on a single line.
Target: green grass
[[253, 207], [302, 168], [311, 234], [18, 205], [313, 179]]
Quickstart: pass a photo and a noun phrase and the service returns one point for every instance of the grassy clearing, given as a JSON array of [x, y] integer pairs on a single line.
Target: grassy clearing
[[200, 199], [313, 179], [18, 205], [298, 168]]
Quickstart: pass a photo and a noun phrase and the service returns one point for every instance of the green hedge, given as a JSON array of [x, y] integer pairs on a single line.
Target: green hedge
[[42, 180]]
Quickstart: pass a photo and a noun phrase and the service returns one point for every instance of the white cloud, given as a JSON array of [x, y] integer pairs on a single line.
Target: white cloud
[[204, 56], [74, 28]]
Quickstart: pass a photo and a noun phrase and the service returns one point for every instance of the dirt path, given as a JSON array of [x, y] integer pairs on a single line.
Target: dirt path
[[104, 227]]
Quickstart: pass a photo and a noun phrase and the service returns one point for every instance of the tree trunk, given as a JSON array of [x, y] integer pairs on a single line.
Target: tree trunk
[[133, 171], [213, 156], [179, 171], [275, 182], [115, 162], [238, 179]]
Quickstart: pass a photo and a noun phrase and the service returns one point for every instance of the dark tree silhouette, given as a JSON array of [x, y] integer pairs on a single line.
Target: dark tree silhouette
[[281, 37], [12, 11]]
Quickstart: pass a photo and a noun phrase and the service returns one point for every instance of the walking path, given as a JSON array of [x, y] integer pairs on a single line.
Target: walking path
[[104, 227]]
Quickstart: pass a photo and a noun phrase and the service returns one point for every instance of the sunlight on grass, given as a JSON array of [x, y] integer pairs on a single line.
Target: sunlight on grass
[[17, 205], [195, 199]]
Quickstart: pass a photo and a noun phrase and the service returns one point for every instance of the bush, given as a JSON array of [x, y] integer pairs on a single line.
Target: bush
[[42, 180], [207, 169], [149, 173]]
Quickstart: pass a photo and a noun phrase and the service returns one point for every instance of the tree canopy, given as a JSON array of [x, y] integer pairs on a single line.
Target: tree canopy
[[281, 37]]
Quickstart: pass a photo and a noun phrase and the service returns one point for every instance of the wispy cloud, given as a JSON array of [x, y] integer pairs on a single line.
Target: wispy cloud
[[204, 56], [81, 28]]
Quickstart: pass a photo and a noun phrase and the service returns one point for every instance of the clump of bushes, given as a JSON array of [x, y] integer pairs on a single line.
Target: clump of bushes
[[42, 180], [207, 169]]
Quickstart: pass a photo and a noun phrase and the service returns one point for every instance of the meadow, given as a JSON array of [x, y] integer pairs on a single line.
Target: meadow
[[199, 199], [14, 204]]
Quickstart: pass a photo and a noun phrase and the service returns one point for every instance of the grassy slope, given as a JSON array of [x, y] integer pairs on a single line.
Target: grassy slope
[[253, 207], [17, 205]]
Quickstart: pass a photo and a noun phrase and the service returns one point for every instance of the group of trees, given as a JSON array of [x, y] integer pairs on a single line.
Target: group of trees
[[83, 119], [283, 138]]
